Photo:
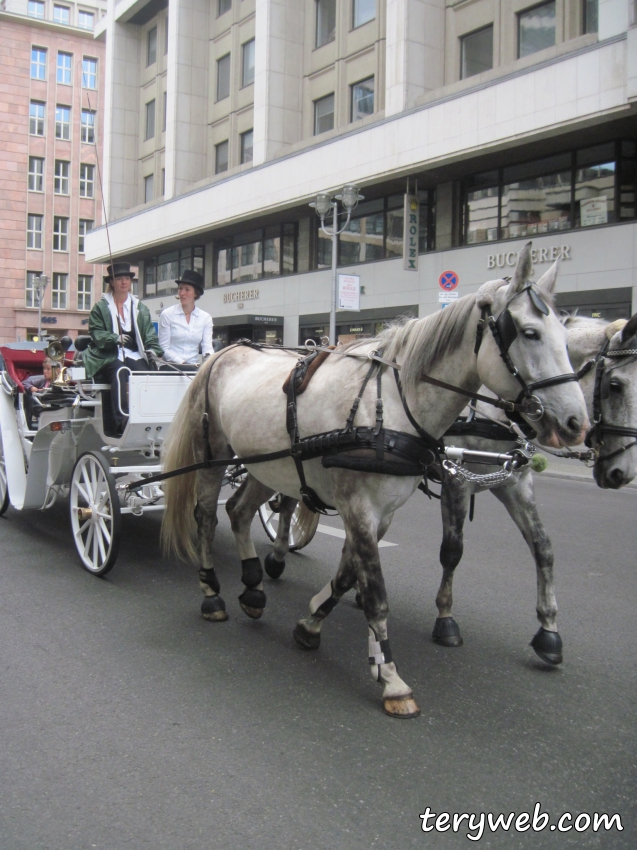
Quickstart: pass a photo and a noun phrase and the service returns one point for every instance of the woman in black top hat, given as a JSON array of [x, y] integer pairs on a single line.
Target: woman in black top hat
[[185, 330]]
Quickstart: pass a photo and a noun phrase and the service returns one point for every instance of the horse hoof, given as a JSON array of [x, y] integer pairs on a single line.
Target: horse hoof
[[548, 645], [252, 602], [273, 567], [253, 613], [358, 600], [447, 632], [213, 608], [404, 708], [305, 639]]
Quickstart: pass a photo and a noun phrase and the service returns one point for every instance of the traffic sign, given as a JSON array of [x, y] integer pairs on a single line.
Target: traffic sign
[[448, 280]]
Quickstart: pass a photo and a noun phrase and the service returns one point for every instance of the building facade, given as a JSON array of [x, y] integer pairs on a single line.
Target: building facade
[[51, 97], [499, 121]]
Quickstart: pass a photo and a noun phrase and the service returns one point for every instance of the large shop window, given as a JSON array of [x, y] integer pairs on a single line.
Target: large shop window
[[375, 232], [257, 254], [161, 272], [575, 189]]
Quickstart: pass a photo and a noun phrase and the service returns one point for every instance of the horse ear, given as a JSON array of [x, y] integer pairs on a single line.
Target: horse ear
[[630, 329], [549, 278], [522, 271]]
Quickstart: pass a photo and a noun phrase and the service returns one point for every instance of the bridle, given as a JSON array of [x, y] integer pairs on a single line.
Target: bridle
[[595, 437], [505, 332]]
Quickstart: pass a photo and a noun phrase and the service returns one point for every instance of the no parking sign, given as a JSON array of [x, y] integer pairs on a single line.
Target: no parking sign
[[448, 281]]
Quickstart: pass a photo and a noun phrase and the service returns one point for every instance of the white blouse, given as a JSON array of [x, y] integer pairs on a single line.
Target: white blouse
[[181, 339]]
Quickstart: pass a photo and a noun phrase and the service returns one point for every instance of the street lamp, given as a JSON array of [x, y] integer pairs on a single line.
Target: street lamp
[[324, 202], [41, 282]]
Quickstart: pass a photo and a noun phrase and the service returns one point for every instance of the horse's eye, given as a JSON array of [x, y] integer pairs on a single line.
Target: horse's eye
[[615, 386], [529, 333]]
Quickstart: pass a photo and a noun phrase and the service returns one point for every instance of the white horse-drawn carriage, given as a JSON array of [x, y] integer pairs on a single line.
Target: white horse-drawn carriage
[[69, 453]]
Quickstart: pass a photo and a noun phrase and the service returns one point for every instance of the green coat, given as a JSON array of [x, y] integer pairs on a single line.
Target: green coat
[[103, 348]]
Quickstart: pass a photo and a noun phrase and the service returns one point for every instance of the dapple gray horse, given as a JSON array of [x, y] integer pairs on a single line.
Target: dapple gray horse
[[615, 453], [237, 399]]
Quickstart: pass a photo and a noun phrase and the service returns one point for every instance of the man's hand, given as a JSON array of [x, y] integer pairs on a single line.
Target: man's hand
[[126, 341]]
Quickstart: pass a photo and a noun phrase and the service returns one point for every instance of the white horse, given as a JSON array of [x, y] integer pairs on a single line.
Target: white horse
[[236, 406], [607, 353]]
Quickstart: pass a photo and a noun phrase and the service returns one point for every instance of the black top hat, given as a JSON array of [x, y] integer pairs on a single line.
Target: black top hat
[[192, 278], [118, 270]]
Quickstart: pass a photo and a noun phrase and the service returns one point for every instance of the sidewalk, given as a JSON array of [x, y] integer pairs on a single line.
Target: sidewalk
[[575, 470]]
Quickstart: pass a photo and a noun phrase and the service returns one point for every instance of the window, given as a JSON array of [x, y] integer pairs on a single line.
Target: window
[[149, 188], [166, 35], [86, 20], [34, 231], [38, 63], [60, 233], [324, 114], [246, 146], [35, 9], [247, 73], [65, 63], [165, 112], [221, 157], [257, 254], [61, 181], [476, 52], [84, 291], [533, 204], [362, 99], [61, 15], [58, 291], [87, 128], [150, 120], [36, 174], [62, 122], [151, 47], [36, 118], [536, 29], [325, 21], [591, 15], [224, 6], [595, 186], [87, 178], [161, 272], [364, 11], [84, 226], [30, 295], [89, 73], [223, 77]]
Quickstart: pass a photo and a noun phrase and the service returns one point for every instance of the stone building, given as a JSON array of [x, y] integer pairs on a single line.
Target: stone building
[[52, 102], [500, 121]]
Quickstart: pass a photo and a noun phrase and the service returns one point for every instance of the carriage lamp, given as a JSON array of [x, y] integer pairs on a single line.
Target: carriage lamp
[[349, 197]]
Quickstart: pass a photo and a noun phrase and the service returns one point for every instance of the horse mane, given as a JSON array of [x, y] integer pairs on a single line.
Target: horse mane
[[422, 342]]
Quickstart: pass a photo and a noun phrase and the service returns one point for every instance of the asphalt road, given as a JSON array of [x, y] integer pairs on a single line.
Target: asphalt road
[[127, 722]]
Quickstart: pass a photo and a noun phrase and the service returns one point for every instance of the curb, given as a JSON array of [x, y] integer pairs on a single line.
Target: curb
[[570, 476]]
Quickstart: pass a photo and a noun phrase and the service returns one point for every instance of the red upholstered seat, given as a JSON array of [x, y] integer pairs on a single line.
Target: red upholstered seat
[[21, 363]]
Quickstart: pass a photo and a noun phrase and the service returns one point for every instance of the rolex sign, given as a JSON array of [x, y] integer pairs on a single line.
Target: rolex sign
[[410, 233]]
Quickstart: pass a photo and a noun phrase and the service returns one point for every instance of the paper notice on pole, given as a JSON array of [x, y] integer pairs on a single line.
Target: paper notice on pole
[[447, 297], [349, 292]]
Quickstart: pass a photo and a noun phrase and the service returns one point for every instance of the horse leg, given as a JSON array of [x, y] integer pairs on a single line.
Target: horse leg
[[241, 508], [360, 562], [274, 563], [454, 504], [382, 531], [208, 487], [519, 500]]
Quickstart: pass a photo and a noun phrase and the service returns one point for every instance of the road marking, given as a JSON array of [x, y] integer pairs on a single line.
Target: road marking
[[338, 532]]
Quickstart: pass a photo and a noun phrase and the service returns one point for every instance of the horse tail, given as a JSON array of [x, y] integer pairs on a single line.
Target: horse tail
[[179, 526]]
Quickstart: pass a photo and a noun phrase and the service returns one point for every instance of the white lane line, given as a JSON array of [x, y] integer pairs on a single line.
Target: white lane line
[[338, 532]]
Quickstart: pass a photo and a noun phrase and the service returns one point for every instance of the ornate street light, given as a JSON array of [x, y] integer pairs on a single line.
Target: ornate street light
[[40, 284], [349, 197]]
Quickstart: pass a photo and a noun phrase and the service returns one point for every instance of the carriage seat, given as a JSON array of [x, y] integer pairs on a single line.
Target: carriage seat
[[22, 363]]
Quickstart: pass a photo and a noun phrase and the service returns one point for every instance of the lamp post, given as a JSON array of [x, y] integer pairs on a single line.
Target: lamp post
[[349, 198], [41, 283]]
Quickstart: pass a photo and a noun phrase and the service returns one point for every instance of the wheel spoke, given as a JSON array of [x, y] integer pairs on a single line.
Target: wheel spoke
[[82, 528], [94, 557], [88, 541], [106, 534], [100, 541], [83, 493]]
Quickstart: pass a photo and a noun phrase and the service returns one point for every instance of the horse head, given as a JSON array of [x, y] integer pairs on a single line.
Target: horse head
[[525, 357]]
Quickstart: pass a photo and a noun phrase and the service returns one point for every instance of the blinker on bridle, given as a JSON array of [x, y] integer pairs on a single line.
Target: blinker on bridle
[[505, 332]]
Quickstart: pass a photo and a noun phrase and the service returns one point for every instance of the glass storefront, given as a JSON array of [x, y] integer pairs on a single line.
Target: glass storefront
[[161, 272]]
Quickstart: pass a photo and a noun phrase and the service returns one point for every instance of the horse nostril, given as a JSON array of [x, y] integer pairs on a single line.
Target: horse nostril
[[574, 425], [616, 478]]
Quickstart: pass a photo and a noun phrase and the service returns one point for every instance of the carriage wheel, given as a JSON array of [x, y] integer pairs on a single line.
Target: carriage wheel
[[4, 485], [95, 514], [298, 537]]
